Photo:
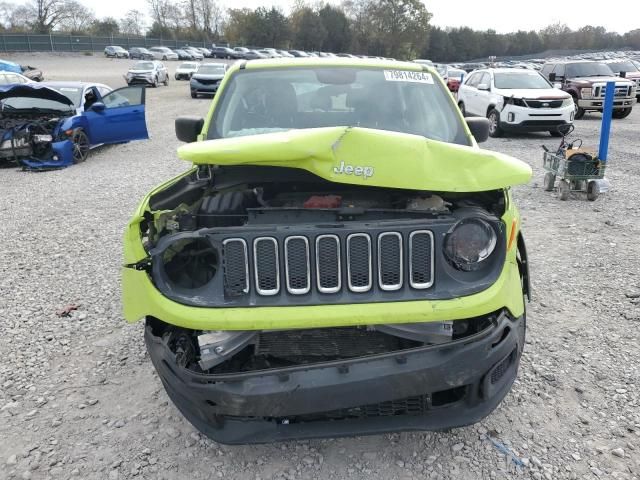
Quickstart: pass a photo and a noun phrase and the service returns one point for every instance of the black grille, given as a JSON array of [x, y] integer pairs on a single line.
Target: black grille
[[236, 281], [390, 258], [204, 81], [502, 368], [544, 103], [328, 263], [547, 123], [359, 262], [328, 343], [297, 258], [267, 268], [421, 246]]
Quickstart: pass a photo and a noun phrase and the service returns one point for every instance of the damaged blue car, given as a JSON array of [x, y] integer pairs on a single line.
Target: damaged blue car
[[44, 127]]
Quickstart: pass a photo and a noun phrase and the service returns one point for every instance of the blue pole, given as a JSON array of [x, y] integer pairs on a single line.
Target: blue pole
[[605, 130]]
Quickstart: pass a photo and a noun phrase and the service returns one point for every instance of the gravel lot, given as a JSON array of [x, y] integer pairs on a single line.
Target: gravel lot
[[79, 397]]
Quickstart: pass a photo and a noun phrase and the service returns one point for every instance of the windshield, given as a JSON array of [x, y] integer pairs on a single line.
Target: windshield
[[188, 66], [72, 93], [27, 103], [588, 69], [211, 69], [626, 66], [142, 66], [519, 79], [274, 100]]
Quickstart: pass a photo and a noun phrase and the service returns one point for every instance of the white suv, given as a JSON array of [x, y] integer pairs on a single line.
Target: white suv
[[515, 100]]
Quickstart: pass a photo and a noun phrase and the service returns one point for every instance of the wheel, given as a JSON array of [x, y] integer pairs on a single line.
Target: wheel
[[194, 94], [166, 80], [621, 113], [549, 181], [176, 77], [563, 190], [164, 57], [554, 133], [80, 146], [462, 109], [593, 191], [155, 82], [578, 112], [494, 123]]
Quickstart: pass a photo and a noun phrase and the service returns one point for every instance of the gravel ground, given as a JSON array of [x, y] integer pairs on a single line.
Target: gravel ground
[[79, 396]]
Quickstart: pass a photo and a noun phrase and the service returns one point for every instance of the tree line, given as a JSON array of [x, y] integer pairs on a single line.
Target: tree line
[[391, 28]]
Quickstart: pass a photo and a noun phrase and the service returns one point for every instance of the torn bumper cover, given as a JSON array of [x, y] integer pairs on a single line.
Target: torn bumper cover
[[431, 387]]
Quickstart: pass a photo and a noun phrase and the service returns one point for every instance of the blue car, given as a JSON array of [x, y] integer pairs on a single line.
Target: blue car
[[56, 124]]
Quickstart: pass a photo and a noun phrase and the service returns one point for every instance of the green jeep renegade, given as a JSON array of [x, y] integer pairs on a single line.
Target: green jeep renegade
[[340, 259]]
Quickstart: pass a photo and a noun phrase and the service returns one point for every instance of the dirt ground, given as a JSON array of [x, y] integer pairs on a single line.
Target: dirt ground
[[79, 397]]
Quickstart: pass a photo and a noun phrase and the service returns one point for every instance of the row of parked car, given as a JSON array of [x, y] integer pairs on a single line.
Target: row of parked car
[[516, 99]]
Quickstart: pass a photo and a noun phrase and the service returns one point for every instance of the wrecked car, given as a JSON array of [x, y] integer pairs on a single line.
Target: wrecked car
[[44, 126], [340, 259]]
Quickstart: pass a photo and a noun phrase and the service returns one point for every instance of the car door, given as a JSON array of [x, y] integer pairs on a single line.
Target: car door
[[119, 117], [469, 93], [483, 95]]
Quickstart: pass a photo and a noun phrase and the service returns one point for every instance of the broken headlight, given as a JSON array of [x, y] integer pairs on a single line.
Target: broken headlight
[[469, 243], [190, 263]]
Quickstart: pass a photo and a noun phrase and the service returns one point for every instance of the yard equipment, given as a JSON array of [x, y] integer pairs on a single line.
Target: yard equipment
[[578, 169]]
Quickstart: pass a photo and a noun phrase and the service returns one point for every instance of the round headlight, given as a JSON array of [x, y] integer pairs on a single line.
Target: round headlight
[[469, 243]]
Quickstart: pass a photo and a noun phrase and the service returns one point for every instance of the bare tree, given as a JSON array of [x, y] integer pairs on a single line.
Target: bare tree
[[161, 11], [132, 23], [78, 18], [45, 15]]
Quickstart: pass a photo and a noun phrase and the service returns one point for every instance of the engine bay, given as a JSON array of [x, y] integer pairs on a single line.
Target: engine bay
[[26, 135]]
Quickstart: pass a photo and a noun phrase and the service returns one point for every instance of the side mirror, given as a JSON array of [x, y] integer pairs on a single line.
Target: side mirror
[[479, 127], [552, 77], [623, 74], [484, 87], [97, 107], [188, 128]]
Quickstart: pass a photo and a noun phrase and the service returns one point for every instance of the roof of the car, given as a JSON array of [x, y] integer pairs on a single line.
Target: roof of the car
[[574, 61], [75, 84], [505, 70], [332, 62]]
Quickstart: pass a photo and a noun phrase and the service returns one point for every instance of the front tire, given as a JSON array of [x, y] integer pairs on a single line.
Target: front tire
[[462, 109], [563, 190], [554, 133], [549, 181], [81, 146], [578, 112], [494, 124], [622, 113], [194, 94], [593, 191], [166, 80], [155, 82]]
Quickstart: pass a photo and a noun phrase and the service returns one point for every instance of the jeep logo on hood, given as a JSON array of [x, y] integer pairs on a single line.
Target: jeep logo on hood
[[358, 171]]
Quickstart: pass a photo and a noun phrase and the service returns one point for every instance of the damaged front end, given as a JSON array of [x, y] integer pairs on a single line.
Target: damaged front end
[[255, 387], [31, 117]]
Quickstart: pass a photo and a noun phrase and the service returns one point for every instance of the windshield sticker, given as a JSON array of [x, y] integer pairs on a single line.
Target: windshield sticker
[[407, 76]]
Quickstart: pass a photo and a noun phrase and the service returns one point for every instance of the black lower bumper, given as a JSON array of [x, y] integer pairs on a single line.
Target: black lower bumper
[[552, 126], [427, 388]]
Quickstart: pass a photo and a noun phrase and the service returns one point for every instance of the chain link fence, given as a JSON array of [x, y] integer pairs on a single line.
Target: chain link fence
[[18, 42]]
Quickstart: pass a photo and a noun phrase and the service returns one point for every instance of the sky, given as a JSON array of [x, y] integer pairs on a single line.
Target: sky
[[501, 15]]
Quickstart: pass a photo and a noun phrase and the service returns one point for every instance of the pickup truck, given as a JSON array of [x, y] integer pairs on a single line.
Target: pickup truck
[[586, 81]]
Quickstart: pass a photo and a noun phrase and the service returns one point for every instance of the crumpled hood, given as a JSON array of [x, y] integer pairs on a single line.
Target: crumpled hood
[[33, 90], [362, 156]]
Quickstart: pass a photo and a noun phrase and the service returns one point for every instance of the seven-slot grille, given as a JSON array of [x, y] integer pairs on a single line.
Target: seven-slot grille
[[329, 263]]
